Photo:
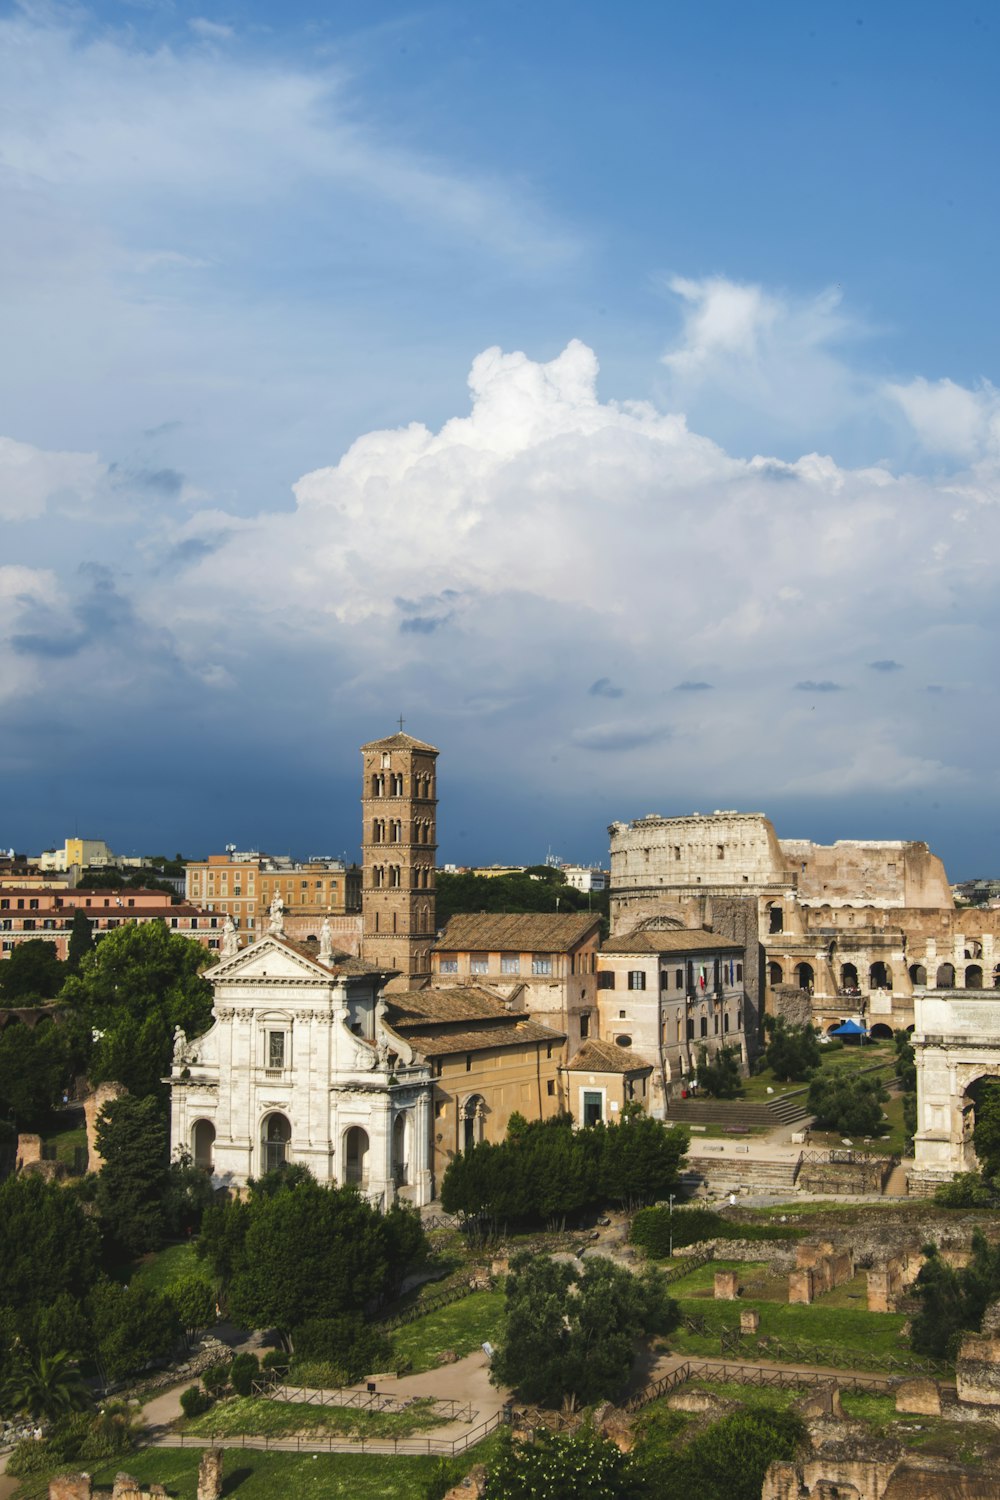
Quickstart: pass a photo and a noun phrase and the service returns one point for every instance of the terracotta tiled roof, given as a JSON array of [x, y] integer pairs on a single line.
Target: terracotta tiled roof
[[596, 1056], [455, 1003], [340, 963], [518, 1034], [672, 940], [516, 932], [399, 742]]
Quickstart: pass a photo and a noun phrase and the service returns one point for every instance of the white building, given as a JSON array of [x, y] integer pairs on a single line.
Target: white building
[[301, 1066], [586, 877]]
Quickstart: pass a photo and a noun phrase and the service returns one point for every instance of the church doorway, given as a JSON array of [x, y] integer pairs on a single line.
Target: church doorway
[[356, 1156], [276, 1139], [203, 1145]]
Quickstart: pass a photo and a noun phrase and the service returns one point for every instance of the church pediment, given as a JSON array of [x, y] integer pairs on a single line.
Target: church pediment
[[268, 958]]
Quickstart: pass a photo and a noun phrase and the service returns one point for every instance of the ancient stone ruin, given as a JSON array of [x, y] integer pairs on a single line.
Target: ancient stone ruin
[[818, 1269], [82, 1487]]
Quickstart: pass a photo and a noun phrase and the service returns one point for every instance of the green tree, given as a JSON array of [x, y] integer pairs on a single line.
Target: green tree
[[137, 986], [967, 1190], [132, 1326], [132, 1139], [571, 1333], [187, 1194], [31, 972], [46, 1387], [936, 1328], [48, 1245], [194, 1303], [563, 1467], [728, 1461], [792, 1052], [720, 1078], [986, 1131], [81, 941], [306, 1251], [849, 1104], [35, 1066]]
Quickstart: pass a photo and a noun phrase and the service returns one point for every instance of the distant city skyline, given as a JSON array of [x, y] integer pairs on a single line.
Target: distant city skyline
[[612, 395]]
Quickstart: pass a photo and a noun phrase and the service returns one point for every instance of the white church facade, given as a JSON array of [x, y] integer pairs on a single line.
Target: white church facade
[[301, 1066]]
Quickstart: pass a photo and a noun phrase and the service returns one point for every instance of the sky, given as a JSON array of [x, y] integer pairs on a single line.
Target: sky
[[610, 391]]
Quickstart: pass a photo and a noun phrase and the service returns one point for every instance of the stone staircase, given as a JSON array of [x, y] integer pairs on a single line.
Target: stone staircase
[[784, 1109], [722, 1173]]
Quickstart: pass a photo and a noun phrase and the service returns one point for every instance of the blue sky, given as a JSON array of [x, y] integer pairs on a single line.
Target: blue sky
[[610, 390]]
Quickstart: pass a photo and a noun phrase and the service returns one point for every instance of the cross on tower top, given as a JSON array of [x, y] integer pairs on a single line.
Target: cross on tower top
[[401, 723]]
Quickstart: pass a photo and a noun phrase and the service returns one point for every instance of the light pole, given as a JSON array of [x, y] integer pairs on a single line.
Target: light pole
[[671, 1218]]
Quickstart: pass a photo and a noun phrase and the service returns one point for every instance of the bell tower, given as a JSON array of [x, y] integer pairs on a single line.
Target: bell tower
[[399, 847]]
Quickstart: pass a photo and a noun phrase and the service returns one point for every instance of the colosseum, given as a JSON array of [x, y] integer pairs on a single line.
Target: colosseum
[[839, 930]]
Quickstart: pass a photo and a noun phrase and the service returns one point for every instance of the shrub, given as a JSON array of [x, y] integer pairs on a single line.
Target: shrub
[[967, 1190], [215, 1379], [244, 1371], [850, 1105], [32, 1456], [352, 1346], [651, 1229], [720, 1078], [278, 1361], [194, 1401]]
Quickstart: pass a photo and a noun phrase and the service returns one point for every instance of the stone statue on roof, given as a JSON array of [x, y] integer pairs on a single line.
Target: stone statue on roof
[[230, 942], [277, 922], [326, 941]]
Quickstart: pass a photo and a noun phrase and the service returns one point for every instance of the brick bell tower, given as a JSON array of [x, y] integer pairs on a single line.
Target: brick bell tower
[[399, 847]]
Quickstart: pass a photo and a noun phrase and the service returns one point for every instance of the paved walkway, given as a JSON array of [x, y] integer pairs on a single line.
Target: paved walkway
[[466, 1382]]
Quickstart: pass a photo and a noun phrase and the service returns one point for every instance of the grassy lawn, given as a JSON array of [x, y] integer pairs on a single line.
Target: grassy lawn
[[164, 1268], [700, 1283], [66, 1142], [750, 1396], [276, 1476], [462, 1326], [966, 1442], [852, 1057], [845, 1331], [254, 1417]]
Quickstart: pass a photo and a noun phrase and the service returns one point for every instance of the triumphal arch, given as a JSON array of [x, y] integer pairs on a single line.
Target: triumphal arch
[[956, 1039]]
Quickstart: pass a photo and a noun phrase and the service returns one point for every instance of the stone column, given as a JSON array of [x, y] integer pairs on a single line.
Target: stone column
[[210, 1474]]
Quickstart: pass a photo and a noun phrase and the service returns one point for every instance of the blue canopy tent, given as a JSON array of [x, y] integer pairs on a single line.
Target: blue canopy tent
[[850, 1029]]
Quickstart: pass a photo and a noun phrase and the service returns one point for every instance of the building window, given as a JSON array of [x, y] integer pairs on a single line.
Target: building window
[[704, 1026], [584, 1026], [541, 963], [623, 1041], [479, 963], [448, 966], [739, 971], [550, 1087], [621, 1015], [276, 1049], [606, 979], [679, 979], [441, 1111], [664, 980], [637, 979], [510, 963], [593, 1108], [468, 1062]]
